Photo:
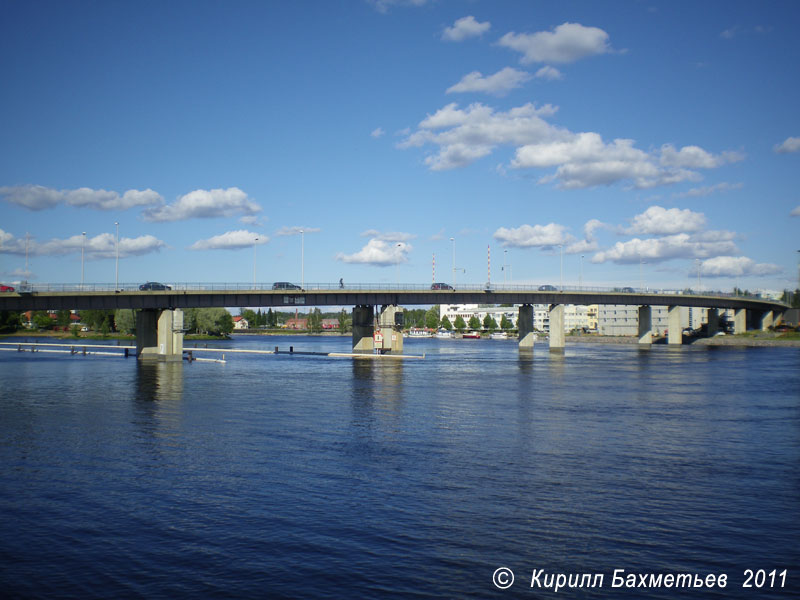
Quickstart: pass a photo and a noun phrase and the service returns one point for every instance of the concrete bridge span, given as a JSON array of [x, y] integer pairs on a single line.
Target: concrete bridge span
[[160, 324]]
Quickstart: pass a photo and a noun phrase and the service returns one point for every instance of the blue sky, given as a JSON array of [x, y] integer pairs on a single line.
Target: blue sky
[[643, 140]]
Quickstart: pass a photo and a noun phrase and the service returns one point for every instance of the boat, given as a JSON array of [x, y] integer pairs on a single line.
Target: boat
[[499, 335], [416, 332], [471, 335], [443, 333]]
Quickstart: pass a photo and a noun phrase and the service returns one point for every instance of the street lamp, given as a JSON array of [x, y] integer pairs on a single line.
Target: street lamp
[[561, 248], [397, 266], [580, 274], [116, 266], [255, 242], [454, 260], [302, 260], [83, 247]]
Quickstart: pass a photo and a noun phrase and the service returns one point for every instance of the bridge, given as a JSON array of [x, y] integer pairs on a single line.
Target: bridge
[[160, 319]]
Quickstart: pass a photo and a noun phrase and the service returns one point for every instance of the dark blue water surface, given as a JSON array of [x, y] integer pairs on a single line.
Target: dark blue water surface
[[309, 477]]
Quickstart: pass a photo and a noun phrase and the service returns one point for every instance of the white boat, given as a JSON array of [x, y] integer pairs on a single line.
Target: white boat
[[499, 335], [415, 332], [443, 333]]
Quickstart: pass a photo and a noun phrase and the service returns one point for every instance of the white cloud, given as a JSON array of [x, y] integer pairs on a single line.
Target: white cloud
[[736, 266], [790, 144], [231, 240], [388, 236], [204, 204], [100, 246], [378, 253], [383, 6], [296, 230], [549, 73], [657, 220], [682, 245], [566, 43], [469, 134], [37, 197], [694, 157], [582, 159], [377, 132], [464, 28], [534, 236], [498, 84], [795, 212], [710, 189]]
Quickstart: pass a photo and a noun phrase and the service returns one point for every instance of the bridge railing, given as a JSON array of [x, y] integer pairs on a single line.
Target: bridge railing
[[358, 287]]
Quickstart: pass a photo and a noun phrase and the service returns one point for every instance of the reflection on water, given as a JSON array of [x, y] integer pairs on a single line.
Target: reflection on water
[[277, 476]]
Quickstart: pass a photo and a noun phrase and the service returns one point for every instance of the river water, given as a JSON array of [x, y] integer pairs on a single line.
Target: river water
[[310, 477]]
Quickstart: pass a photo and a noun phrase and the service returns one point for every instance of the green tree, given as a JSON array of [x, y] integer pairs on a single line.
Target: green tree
[[505, 323], [459, 324], [446, 324], [272, 319], [125, 320], [315, 320], [432, 317], [10, 321], [489, 323], [213, 321], [63, 318], [41, 320], [474, 323], [345, 321], [94, 318]]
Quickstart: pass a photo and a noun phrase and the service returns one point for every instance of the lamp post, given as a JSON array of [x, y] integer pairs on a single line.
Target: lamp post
[[699, 286], [397, 265], [454, 260], [580, 274], [561, 248], [255, 242], [116, 266], [302, 260], [83, 247]]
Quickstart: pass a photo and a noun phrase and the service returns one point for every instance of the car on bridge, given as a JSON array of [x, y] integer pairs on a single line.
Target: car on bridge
[[6, 288], [441, 286], [285, 285], [547, 288], [154, 286]]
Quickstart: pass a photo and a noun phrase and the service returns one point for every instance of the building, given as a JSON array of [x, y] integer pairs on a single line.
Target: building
[[239, 322], [575, 316]]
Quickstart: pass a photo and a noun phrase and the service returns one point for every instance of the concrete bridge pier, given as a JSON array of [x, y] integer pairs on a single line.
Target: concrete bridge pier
[[363, 329], [645, 326], [767, 320], [390, 325], [713, 322], [557, 338], [525, 326], [674, 330], [740, 320], [159, 335]]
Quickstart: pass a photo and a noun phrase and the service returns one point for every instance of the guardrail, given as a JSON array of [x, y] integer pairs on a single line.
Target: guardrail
[[357, 287]]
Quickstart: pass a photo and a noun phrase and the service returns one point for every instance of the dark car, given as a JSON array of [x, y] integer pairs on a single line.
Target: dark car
[[154, 286], [629, 290], [285, 285], [6, 288], [547, 288], [441, 286]]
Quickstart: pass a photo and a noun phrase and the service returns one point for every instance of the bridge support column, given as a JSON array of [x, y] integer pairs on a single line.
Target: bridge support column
[[767, 319], [525, 326], [557, 328], [674, 331], [363, 329], [713, 322], [390, 324], [740, 320], [645, 325], [159, 335]]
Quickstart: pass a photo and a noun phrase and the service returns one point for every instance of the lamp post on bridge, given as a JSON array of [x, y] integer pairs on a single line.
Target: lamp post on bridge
[[302, 260], [116, 266], [255, 242], [454, 260], [83, 247]]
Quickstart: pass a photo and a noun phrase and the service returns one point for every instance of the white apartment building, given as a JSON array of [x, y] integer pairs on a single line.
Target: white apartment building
[[620, 319], [575, 317]]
